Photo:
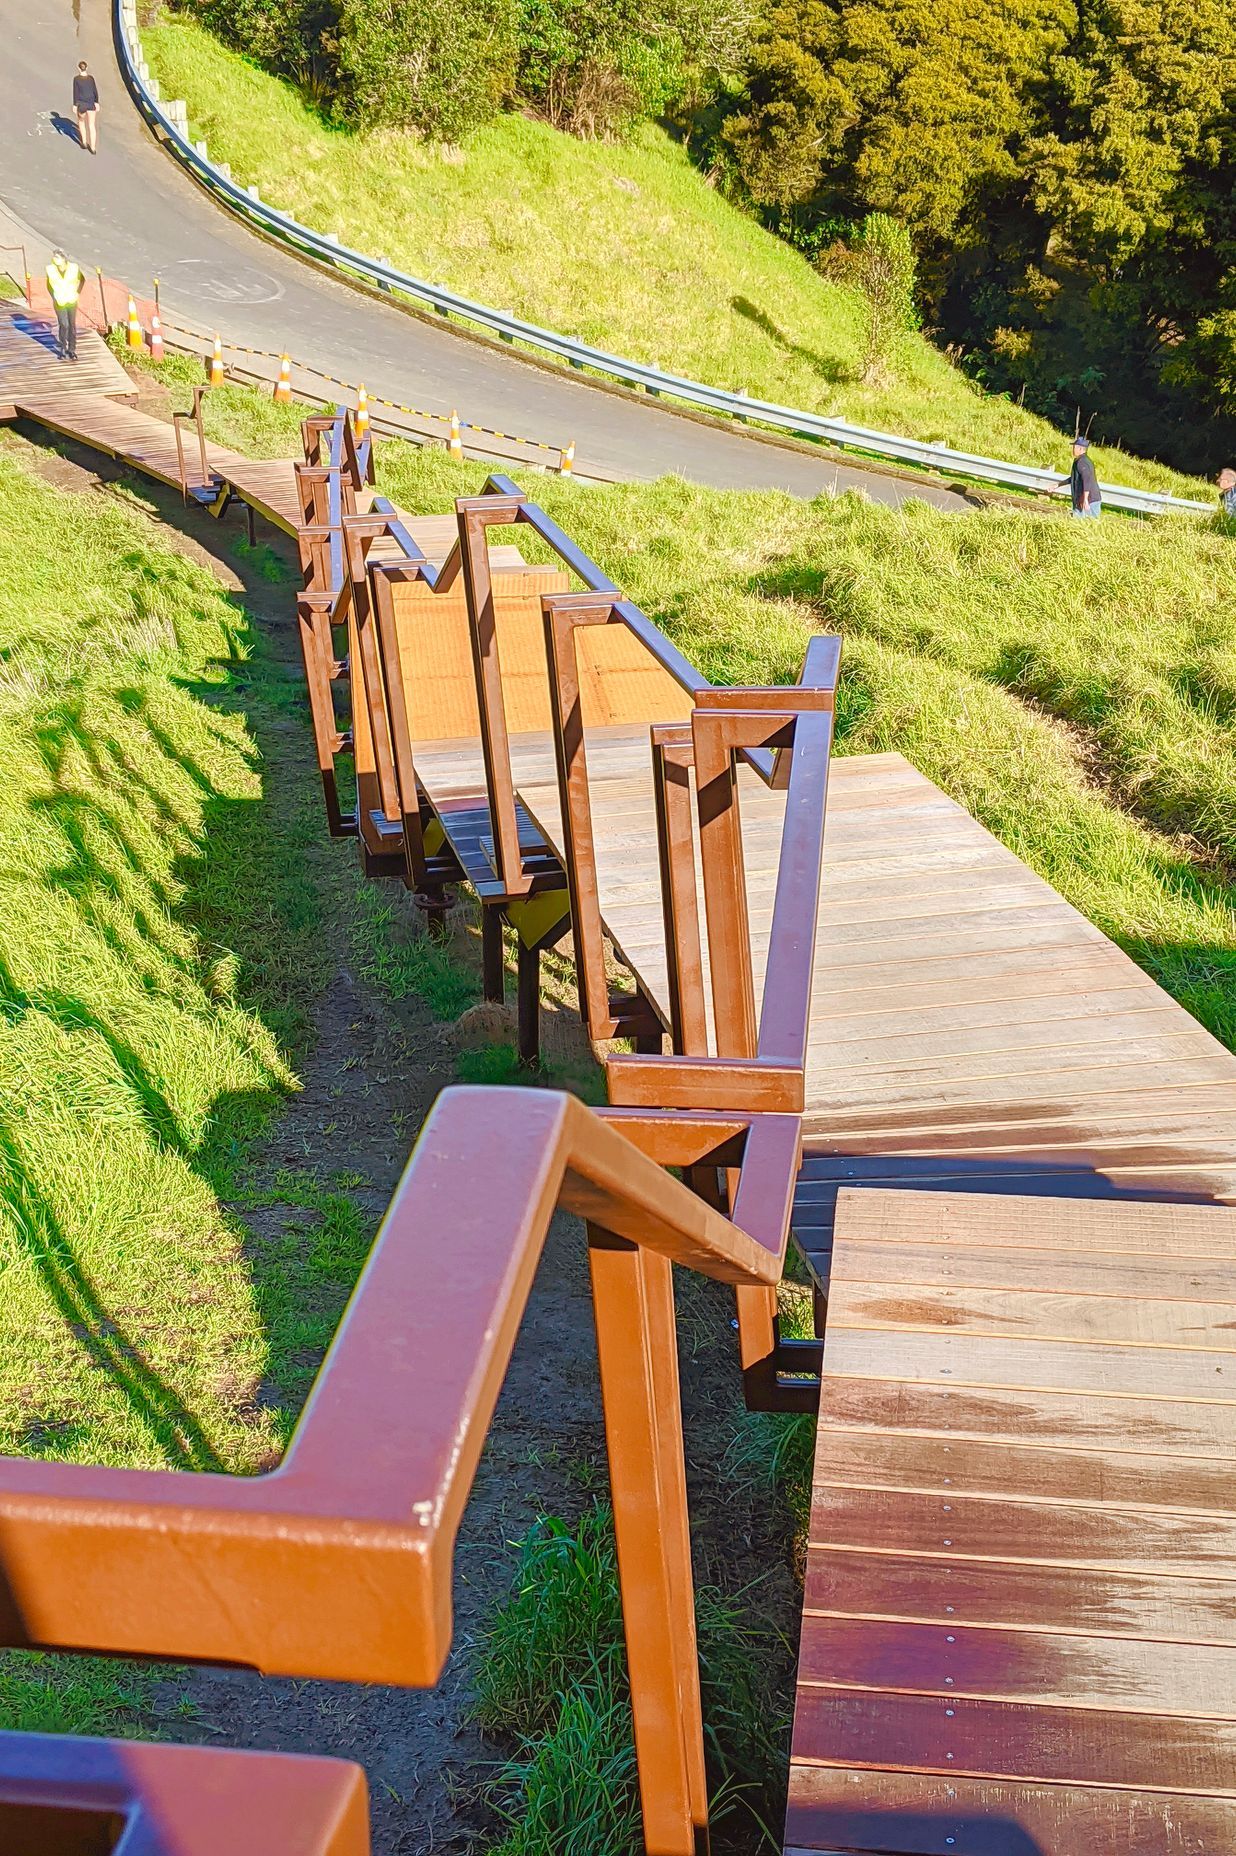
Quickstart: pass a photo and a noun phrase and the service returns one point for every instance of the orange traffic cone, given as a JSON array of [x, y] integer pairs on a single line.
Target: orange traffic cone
[[136, 338], [360, 421], [566, 462], [283, 386], [214, 367], [455, 443], [156, 337]]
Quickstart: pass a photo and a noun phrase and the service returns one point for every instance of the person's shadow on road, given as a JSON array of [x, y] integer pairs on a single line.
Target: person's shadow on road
[[64, 125]]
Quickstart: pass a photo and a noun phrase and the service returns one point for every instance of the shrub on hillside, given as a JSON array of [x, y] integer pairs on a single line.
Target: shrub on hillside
[[295, 38], [885, 271], [594, 67], [440, 67]]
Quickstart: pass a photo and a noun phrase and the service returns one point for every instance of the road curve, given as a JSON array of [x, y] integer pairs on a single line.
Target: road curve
[[133, 212]]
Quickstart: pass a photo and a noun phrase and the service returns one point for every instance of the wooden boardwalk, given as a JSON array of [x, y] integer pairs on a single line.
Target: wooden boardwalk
[[29, 365], [970, 1029], [90, 402], [1020, 1617], [1020, 1625]]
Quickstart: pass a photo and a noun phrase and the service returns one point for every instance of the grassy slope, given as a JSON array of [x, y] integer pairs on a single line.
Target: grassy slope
[[125, 1049], [158, 937], [627, 247]]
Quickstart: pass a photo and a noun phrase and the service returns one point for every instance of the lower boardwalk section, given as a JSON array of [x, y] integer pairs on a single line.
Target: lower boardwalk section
[[1019, 1635], [30, 366]]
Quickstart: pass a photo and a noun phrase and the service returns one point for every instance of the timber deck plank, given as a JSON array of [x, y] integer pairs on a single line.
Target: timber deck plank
[[29, 365], [1022, 1550]]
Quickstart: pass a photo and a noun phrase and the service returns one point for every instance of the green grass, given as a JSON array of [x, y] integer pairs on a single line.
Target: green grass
[[241, 417], [551, 1675], [156, 945], [625, 247], [131, 1055]]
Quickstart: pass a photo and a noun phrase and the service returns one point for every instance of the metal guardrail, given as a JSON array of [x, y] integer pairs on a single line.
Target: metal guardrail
[[719, 400]]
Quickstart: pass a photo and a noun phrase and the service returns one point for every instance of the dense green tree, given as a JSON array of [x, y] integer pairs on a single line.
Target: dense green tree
[[1141, 94], [296, 38], [917, 108], [440, 67]]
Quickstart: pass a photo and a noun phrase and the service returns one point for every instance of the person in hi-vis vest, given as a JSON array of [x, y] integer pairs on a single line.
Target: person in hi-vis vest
[[64, 280]]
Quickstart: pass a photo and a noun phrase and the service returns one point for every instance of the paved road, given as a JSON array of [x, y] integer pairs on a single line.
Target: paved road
[[130, 210]]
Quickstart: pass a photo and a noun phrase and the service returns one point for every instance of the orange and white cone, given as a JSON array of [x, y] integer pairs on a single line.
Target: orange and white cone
[[135, 337], [566, 462], [156, 337], [360, 420], [214, 367], [455, 443], [283, 386]]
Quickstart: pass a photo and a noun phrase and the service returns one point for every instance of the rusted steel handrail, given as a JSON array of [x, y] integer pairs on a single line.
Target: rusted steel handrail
[[335, 468], [625, 610], [65, 1796], [766, 1061], [378, 1470], [759, 1064], [606, 1015], [338, 1562]]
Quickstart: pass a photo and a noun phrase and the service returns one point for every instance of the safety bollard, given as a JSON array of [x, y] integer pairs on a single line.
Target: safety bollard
[[360, 421], [214, 366], [283, 386], [566, 462], [135, 338], [455, 446]]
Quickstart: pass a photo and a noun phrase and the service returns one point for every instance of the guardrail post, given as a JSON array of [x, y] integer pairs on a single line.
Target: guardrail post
[[637, 1345]]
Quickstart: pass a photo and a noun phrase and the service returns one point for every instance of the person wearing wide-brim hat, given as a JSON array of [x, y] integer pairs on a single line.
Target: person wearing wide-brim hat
[[1083, 482], [1227, 492]]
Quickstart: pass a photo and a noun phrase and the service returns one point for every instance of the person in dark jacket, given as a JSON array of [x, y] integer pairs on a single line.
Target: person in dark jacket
[[86, 104], [1083, 483], [1227, 492]]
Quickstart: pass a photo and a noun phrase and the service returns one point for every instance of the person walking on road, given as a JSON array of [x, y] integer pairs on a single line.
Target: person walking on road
[[86, 104], [1227, 492], [1083, 483], [64, 282]]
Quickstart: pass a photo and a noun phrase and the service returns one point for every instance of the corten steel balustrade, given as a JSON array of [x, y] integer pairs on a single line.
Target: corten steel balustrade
[[338, 1562], [517, 861], [757, 1065], [355, 562], [334, 472], [783, 734]]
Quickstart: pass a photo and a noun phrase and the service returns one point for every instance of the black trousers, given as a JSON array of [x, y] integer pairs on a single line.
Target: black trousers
[[66, 326]]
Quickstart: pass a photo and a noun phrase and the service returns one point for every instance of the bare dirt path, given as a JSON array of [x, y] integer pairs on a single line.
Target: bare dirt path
[[373, 1069]]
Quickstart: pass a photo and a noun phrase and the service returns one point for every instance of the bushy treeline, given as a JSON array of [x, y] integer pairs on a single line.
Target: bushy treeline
[[441, 67], [1067, 173]]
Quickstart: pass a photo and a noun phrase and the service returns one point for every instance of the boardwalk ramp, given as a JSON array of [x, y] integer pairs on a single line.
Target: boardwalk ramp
[[30, 366], [1019, 1634]]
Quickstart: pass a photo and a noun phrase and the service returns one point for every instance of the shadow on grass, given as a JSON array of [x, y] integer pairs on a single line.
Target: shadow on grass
[[166, 869], [827, 366], [41, 1240]]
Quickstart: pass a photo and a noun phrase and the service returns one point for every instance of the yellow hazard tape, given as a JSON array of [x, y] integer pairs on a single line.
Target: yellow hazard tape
[[332, 380]]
